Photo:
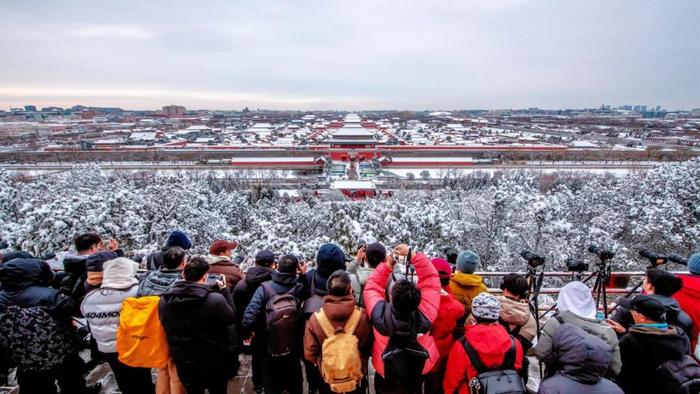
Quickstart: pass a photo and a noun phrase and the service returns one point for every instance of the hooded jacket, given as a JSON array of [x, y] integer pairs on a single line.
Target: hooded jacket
[[544, 348], [158, 282], [196, 322], [492, 342], [254, 316], [386, 321], [244, 290], [73, 283], [643, 350], [450, 313], [25, 283], [223, 265], [584, 360], [464, 287], [689, 299], [517, 314], [102, 307], [338, 310], [674, 314]]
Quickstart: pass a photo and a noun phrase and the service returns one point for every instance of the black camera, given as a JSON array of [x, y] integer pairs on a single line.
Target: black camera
[[654, 258], [576, 265], [678, 259], [533, 260], [601, 253]]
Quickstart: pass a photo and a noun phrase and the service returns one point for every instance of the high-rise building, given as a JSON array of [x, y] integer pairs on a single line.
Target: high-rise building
[[174, 110]]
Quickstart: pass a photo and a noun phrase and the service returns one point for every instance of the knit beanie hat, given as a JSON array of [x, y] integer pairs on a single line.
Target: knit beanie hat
[[577, 298], [119, 273], [694, 264], [329, 259], [486, 307], [442, 267], [467, 262], [178, 238]]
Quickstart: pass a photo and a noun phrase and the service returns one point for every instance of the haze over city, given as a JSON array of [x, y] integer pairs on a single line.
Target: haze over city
[[350, 55]]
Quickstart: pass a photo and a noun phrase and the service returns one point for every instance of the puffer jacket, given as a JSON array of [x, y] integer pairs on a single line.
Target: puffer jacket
[[464, 287], [197, 323], [584, 360], [223, 265], [358, 280], [689, 299], [158, 282], [598, 328], [73, 282], [643, 350], [491, 342], [385, 320], [101, 308], [517, 314], [25, 283], [244, 290], [254, 315], [674, 314], [443, 330]]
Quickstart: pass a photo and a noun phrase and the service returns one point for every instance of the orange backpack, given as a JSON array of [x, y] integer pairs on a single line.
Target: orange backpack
[[141, 339], [341, 363]]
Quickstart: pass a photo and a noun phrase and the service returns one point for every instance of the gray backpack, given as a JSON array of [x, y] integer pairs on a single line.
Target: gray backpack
[[503, 379]]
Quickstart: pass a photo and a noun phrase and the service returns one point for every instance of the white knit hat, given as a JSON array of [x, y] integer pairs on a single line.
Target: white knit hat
[[577, 298], [485, 306], [119, 273]]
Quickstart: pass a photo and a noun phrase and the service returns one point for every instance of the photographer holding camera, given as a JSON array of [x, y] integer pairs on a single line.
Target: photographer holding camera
[[403, 351]]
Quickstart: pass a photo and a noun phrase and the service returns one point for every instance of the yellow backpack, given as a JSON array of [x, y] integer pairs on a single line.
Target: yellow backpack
[[341, 364], [141, 339]]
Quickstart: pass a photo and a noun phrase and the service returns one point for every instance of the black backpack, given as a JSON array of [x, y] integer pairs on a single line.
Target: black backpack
[[314, 303], [499, 380], [404, 359], [680, 376], [281, 316]]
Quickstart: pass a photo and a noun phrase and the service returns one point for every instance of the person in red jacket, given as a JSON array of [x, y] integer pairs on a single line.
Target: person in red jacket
[[448, 326], [689, 296], [488, 337], [396, 318]]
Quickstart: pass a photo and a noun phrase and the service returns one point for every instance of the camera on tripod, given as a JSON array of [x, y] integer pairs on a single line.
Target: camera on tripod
[[576, 265], [533, 260], [603, 254]]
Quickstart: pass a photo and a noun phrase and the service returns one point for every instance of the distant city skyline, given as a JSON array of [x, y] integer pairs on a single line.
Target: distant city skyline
[[350, 55]]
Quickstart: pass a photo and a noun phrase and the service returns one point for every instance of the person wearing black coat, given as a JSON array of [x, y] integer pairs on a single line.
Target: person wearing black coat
[[242, 294], [646, 345], [44, 349], [582, 360], [661, 285], [284, 280], [197, 321]]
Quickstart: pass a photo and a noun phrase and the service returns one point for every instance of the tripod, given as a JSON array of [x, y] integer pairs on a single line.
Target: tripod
[[534, 280], [602, 276]]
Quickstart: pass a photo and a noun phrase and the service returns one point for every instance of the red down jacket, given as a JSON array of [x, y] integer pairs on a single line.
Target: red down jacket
[[429, 286], [491, 342], [450, 312], [689, 299]]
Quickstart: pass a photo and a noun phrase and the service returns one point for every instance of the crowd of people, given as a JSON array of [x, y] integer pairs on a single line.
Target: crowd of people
[[426, 325]]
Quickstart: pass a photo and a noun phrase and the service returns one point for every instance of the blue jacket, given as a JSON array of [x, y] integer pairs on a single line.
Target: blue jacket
[[254, 316]]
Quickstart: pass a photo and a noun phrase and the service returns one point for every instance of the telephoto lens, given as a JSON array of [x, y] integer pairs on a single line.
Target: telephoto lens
[[655, 258], [601, 253], [533, 260], [678, 259]]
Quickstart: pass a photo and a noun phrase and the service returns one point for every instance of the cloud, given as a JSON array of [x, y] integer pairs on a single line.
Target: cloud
[[119, 32]]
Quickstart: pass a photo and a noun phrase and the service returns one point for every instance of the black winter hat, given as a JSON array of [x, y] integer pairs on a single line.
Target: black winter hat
[[329, 259], [649, 307], [264, 258]]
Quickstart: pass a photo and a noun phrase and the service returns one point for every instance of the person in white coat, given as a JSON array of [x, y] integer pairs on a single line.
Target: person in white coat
[[101, 308]]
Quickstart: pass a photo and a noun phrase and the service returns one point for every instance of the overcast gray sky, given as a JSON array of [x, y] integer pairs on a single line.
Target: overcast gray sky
[[354, 54]]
